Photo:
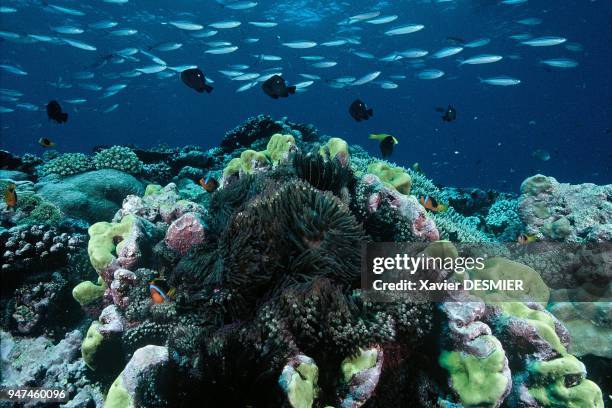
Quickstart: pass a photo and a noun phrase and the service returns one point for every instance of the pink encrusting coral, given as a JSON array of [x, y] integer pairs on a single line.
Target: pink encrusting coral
[[185, 233]]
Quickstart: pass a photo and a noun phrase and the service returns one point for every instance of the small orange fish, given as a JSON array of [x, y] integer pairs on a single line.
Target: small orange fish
[[10, 196], [209, 184], [158, 292], [431, 204], [524, 239], [44, 142]]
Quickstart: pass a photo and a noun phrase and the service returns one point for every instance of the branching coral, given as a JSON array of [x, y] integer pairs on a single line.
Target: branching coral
[[119, 158], [66, 165]]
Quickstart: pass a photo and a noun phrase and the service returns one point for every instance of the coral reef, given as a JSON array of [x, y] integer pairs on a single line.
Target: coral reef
[[250, 294], [38, 362], [564, 212]]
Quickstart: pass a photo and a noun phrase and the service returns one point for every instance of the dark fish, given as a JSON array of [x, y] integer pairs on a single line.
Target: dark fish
[[450, 113], [276, 87], [195, 79], [386, 143], [54, 111], [359, 111], [44, 142], [386, 146]]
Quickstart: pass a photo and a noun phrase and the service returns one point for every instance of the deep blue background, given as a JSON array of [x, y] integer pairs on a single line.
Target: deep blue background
[[567, 112]]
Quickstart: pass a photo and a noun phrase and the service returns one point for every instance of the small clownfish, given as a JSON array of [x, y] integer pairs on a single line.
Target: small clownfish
[[431, 204], [524, 239], [10, 196], [158, 292], [44, 142], [209, 184]]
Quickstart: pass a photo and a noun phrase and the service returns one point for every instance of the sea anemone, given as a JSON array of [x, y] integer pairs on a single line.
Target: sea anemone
[[325, 175]]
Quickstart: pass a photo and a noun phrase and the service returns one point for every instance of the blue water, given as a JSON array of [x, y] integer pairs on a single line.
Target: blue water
[[566, 112]]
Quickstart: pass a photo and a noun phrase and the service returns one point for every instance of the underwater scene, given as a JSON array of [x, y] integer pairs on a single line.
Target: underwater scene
[[306, 203]]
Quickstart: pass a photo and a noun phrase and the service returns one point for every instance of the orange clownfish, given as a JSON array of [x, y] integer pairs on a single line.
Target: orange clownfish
[[44, 142], [158, 292], [525, 239], [10, 196], [431, 204], [209, 184]]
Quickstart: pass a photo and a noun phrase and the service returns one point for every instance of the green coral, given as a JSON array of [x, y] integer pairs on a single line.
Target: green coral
[[279, 147], [500, 269], [558, 229], [478, 381], [537, 184], [394, 177], [87, 292], [67, 164], [119, 158], [561, 383], [91, 343], [247, 163], [152, 189], [335, 148], [302, 387], [362, 360], [45, 213], [103, 237], [118, 396]]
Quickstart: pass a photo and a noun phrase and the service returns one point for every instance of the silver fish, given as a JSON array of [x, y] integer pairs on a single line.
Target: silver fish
[[13, 69], [382, 20], [407, 29], [241, 5], [103, 24], [325, 64], [300, 44], [413, 53], [500, 81], [246, 77], [222, 25], [66, 10], [447, 52], [560, 63], [223, 50], [263, 24], [186, 25], [247, 86], [124, 32], [366, 78], [544, 41], [482, 59], [67, 30], [152, 69], [432, 73], [79, 44]]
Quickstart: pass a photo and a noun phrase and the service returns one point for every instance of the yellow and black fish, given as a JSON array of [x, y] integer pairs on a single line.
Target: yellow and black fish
[[44, 142], [387, 142], [10, 196], [431, 204], [524, 239]]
